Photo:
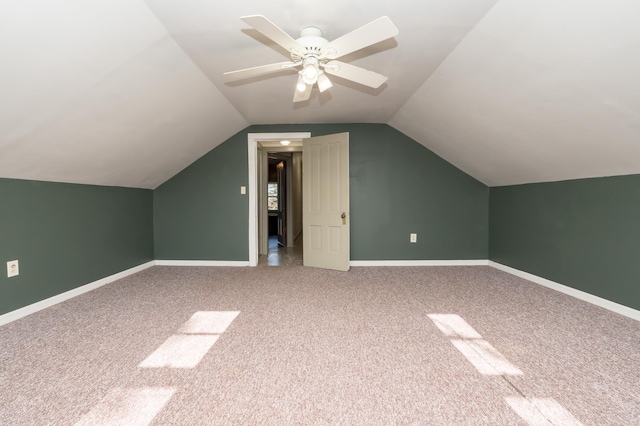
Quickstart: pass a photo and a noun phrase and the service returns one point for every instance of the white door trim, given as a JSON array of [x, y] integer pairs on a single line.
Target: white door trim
[[252, 190]]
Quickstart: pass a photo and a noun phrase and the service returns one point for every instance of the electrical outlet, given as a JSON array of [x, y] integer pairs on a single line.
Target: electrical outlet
[[12, 268], [413, 238]]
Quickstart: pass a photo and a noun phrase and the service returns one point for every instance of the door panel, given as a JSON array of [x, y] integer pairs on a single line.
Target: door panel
[[315, 238], [325, 200]]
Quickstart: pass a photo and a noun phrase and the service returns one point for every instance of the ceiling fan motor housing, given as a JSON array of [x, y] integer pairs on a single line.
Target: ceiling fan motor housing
[[312, 41]]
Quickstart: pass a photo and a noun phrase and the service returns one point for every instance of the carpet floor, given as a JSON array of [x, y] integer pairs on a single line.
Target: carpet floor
[[296, 345]]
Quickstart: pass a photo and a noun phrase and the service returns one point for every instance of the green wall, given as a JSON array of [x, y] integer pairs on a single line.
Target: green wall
[[67, 235], [396, 186], [199, 214], [582, 233]]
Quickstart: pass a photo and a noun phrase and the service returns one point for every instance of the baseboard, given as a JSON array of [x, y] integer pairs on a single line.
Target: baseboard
[[478, 262], [587, 297], [202, 263], [54, 300], [578, 294]]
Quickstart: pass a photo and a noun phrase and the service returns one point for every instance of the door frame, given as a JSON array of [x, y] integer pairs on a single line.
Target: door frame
[[253, 188]]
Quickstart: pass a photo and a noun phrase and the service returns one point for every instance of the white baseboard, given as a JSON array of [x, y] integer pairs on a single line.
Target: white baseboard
[[54, 300], [202, 263], [578, 294], [479, 262], [587, 297]]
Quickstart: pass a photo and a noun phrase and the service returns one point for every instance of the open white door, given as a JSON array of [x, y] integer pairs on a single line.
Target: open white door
[[325, 201]]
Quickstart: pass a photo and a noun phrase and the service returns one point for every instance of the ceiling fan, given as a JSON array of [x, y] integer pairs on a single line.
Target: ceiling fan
[[315, 57]]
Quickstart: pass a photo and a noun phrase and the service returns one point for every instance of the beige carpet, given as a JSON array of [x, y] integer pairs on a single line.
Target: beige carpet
[[295, 345]]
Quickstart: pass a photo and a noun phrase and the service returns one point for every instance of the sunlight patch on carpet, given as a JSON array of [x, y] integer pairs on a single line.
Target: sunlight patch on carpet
[[180, 351], [485, 358], [194, 339], [208, 322], [454, 326], [542, 411], [128, 407]]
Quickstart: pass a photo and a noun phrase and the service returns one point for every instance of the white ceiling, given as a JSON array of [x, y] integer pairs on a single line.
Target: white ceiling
[[128, 93]]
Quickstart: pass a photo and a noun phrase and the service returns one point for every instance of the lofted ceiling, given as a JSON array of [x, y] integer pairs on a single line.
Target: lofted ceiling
[[128, 93]]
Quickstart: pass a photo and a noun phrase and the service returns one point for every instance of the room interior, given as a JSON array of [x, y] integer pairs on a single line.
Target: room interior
[[505, 137]]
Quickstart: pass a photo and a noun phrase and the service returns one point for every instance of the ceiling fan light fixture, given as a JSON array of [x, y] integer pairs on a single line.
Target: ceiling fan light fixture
[[301, 86], [310, 73], [323, 82]]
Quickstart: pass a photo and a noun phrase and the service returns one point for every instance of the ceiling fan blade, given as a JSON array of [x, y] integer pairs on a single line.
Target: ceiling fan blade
[[262, 69], [354, 73], [371, 33], [299, 96], [272, 31]]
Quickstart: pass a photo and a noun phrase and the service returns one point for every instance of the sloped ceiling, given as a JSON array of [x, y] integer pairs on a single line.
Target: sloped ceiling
[[128, 93], [538, 91]]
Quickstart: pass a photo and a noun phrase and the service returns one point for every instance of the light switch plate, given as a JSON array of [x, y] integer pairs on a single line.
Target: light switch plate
[[413, 238], [13, 268], [243, 190]]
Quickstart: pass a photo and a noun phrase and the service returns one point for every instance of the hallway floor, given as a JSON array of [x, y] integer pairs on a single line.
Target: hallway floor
[[282, 256]]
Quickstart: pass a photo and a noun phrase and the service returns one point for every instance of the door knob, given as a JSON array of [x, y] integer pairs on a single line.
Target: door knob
[[344, 218]]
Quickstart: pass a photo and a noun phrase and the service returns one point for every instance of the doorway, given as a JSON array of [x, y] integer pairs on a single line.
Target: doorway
[[255, 169], [283, 205], [327, 211], [259, 146]]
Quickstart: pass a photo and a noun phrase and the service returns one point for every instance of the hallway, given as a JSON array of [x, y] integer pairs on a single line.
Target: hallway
[[282, 256]]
